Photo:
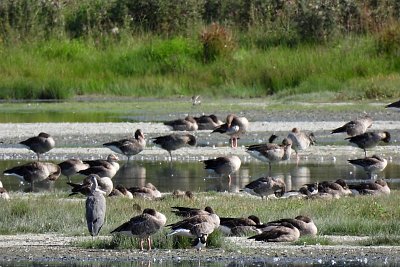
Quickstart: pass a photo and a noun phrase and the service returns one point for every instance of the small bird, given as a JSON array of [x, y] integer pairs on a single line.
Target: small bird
[[265, 186], [39, 144], [369, 140], [105, 185], [234, 127], [394, 105], [271, 152], [223, 165], [95, 208], [208, 122], [239, 226], [284, 232], [130, 146], [371, 165], [174, 141], [305, 225], [143, 226], [186, 124], [196, 100], [3, 192], [149, 191], [300, 140], [71, 167], [378, 187], [198, 227], [35, 172], [101, 167], [355, 127]]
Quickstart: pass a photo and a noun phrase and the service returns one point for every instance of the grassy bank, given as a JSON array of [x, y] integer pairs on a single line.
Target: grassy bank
[[358, 216]]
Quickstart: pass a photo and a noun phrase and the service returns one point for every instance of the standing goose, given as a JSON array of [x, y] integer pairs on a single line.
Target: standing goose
[[378, 187], [186, 124], [371, 165], [35, 171], [198, 227], [174, 141], [103, 168], [95, 208], [128, 147], [223, 165], [265, 186], [149, 191], [39, 144], [394, 105], [234, 127], [3, 192], [239, 226], [143, 226], [104, 185], [369, 140], [300, 140], [71, 167], [305, 225], [355, 127], [271, 152], [284, 232], [209, 122]]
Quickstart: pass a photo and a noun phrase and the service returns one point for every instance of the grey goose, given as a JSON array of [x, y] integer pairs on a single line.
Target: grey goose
[[265, 187], [174, 141], [103, 168], [371, 165], [186, 124], [304, 224], [223, 166], [239, 226], [104, 185], [130, 146], [39, 144], [284, 232], [369, 140], [234, 126], [378, 187], [355, 127], [71, 167], [300, 140], [149, 191], [208, 122]]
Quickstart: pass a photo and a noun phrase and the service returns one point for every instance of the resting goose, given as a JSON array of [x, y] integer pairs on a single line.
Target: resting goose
[[265, 186], [149, 191], [355, 127], [336, 189], [128, 147], [378, 187], [174, 141], [188, 212], [186, 124], [208, 122], [121, 191], [223, 165], [71, 167], [234, 126], [39, 144], [239, 226], [304, 224], [101, 167], [284, 232], [369, 140]]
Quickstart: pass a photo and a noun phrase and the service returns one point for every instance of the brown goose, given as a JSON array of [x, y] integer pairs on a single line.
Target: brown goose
[[371, 165], [369, 140], [378, 187], [300, 140], [174, 141], [39, 144], [306, 191], [336, 189], [149, 191], [121, 191], [198, 227], [239, 226], [271, 152], [186, 124], [103, 168], [285, 232], [95, 208], [234, 127], [71, 167], [208, 122], [355, 127], [305, 225], [143, 226], [105, 185], [265, 186], [188, 212], [128, 147], [394, 105], [35, 171], [223, 165], [3, 192]]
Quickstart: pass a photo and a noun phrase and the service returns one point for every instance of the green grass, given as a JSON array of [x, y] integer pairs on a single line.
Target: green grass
[[56, 213]]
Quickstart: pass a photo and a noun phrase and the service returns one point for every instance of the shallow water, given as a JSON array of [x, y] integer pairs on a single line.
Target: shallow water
[[192, 176]]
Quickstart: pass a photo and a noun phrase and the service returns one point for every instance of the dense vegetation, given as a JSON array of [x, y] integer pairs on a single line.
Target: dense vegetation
[[57, 49]]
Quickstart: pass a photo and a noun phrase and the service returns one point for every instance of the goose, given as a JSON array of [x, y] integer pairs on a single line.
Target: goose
[[208, 122], [128, 147], [378, 187], [104, 184], [35, 172], [371, 165], [149, 191], [101, 167], [284, 232], [121, 191], [300, 140], [271, 152], [95, 208], [234, 127], [239, 226], [174, 141], [306, 191], [3, 192], [223, 165], [198, 227], [186, 124], [143, 226], [394, 105], [304, 224], [355, 127], [188, 212], [265, 186], [39, 144], [183, 194], [336, 189], [369, 140], [71, 167]]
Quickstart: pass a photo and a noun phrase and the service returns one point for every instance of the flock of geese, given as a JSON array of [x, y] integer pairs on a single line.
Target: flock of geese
[[197, 223]]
